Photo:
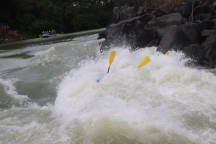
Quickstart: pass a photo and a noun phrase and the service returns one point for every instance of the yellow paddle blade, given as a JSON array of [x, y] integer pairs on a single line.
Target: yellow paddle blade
[[167, 53], [145, 61], [112, 57]]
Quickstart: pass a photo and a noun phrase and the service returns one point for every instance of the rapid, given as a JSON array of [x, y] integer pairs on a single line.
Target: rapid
[[49, 94]]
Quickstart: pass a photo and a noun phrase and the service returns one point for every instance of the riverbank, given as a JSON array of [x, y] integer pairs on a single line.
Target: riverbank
[[56, 39], [14, 35]]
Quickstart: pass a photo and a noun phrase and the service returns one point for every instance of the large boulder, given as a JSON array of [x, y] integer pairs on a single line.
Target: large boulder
[[195, 51], [101, 34], [201, 17], [131, 31], [126, 12], [184, 9], [208, 32], [210, 50], [162, 24], [174, 39], [193, 31], [155, 12], [139, 27]]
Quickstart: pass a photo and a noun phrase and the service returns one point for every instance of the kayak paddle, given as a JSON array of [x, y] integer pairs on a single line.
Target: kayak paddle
[[111, 59], [145, 61]]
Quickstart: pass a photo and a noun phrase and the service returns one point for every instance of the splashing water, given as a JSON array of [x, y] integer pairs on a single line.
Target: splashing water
[[161, 102]]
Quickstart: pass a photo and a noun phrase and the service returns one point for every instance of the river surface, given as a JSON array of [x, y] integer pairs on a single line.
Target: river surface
[[49, 94]]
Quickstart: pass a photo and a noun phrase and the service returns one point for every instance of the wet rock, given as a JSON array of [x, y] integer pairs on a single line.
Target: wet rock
[[195, 51], [162, 24], [174, 39], [139, 27], [193, 31], [208, 32], [210, 49]]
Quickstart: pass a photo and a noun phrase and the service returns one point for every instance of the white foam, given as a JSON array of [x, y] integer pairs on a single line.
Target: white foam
[[46, 51], [10, 89], [162, 93]]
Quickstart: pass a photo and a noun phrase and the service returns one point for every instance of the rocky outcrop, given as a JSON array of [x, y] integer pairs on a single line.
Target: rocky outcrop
[[13, 35], [129, 32], [174, 39], [139, 27]]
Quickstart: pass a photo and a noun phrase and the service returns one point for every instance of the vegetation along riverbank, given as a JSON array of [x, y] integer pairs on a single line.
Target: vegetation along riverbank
[[28, 19]]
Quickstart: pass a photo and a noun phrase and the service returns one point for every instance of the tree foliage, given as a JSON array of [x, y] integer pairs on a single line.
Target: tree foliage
[[63, 16]]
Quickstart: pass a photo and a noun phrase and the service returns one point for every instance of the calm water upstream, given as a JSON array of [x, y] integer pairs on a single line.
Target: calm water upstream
[[49, 94]]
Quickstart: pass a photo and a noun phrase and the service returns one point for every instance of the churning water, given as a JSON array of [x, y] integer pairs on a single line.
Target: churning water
[[49, 94]]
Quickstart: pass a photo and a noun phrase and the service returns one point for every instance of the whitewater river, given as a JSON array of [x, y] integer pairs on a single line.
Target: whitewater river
[[49, 94]]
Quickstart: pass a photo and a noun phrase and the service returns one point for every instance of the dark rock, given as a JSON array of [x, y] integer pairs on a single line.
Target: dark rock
[[193, 31], [116, 13], [174, 39], [126, 12], [207, 25], [195, 51], [101, 35], [155, 12], [208, 32], [162, 24], [201, 17], [140, 11], [105, 45], [214, 8], [139, 27], [210, 50], [130, 31], [184, 10], [214, 21]]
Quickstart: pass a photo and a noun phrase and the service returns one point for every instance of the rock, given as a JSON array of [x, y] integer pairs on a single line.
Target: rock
[[201, 17], [155, 12], [101, 35], [214, 21], [207, 25], [139, 27], [195, 51], [174, 39], [162, 24], [126, 12], [130, 31], [208, 32], [184, 10], [209, 46], [193, 31], [116, 12]]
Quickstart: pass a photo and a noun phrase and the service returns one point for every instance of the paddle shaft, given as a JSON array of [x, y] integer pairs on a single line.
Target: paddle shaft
[[108, 69]]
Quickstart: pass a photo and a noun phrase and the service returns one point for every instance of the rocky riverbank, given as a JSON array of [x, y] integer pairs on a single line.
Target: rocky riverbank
[[190, 28], [13, 35]]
